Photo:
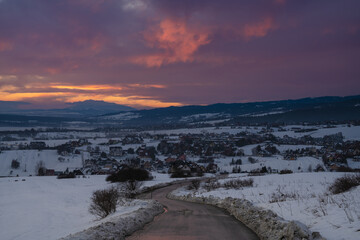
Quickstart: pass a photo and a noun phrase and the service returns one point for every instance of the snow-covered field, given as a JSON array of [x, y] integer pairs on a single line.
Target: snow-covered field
[[349, 133], [46, 208], [277, 163], [29, 158], [303, 197]]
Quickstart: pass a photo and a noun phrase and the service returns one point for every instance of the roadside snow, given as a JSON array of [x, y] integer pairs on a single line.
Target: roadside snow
[[302, 197]]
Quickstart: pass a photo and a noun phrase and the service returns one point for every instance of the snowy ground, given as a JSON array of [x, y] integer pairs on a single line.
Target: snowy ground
[[349, 133], [45, 208], [29, 158], [302, 197], [276, 162]]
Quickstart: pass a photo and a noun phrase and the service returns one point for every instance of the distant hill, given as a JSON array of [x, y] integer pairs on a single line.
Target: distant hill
[[92, 107], [287, 111], [74, 110], [100, 114]]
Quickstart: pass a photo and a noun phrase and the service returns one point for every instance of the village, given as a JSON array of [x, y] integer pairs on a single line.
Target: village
[[187, 154]]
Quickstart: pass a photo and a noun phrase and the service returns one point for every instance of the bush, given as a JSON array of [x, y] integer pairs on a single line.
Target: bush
[[103, 202], [178, 174], [236, 169], [238, 183], [66, 175], [15, 164], [129, 174], [199, 174], [344, 184], [255, 172], [252, 160], [285, 171], [40, 168], [195, 184], [130, 189], [345, 169], [211, 184]]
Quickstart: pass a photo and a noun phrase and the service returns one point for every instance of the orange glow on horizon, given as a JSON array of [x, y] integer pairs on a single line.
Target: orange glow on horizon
[[68, 97], [87, 87]]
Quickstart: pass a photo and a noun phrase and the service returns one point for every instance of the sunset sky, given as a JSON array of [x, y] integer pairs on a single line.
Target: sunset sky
[[159, 53]]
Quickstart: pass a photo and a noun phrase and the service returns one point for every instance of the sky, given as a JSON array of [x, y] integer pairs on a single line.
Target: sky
[[159, 53]]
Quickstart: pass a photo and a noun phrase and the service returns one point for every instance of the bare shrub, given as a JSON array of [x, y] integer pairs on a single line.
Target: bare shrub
[[103, 202], [238, 183], [40, 168], [285, 171], [15, 164], [211, 184], [195, 184], [252, 160], [279, 196], [130, 189], [344, 183]]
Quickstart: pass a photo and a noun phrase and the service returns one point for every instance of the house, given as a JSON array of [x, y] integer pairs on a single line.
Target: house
[[116, 151], [50, 172], [147, 166], [37, 145], [211, 168], [170, 160]]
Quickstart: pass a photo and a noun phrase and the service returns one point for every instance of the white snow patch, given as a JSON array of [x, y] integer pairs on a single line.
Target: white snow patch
[[302, 197], [45, 208], [123, 116]]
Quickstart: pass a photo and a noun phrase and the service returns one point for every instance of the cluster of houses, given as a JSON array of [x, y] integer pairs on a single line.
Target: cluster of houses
[[172, 152]]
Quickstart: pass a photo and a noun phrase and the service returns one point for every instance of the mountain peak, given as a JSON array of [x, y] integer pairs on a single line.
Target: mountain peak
[[102, 106]]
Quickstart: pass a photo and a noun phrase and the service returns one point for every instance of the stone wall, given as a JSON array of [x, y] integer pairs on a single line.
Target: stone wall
[[265, 223], [119, 227]]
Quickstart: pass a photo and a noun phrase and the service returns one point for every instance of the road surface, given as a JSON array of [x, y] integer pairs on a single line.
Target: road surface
[[191, 221]]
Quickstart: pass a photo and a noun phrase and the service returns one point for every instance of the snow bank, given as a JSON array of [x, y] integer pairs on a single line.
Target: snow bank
[[302, 197], [266, 224], [120, 226]]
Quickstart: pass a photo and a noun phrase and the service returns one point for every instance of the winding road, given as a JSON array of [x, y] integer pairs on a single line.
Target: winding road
[[185, 221]]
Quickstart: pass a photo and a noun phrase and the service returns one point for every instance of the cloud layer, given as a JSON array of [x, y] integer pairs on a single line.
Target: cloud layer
[[147, 53]]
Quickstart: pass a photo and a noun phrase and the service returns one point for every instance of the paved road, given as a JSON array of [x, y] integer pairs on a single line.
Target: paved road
[[190, 221]]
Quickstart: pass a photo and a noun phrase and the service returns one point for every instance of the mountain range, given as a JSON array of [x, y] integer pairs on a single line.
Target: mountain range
[[73, 110], [99, 113]]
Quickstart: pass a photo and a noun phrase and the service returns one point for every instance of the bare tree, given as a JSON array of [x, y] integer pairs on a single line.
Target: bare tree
[[130, 188], [40, 168]]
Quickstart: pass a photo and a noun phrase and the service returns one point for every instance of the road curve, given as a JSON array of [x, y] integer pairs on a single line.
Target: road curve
[[191, 221]]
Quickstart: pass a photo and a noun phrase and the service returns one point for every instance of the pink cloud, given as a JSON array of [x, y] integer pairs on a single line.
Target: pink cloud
[[5, 46], [280, 2], [259, 29], [177, 42]]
